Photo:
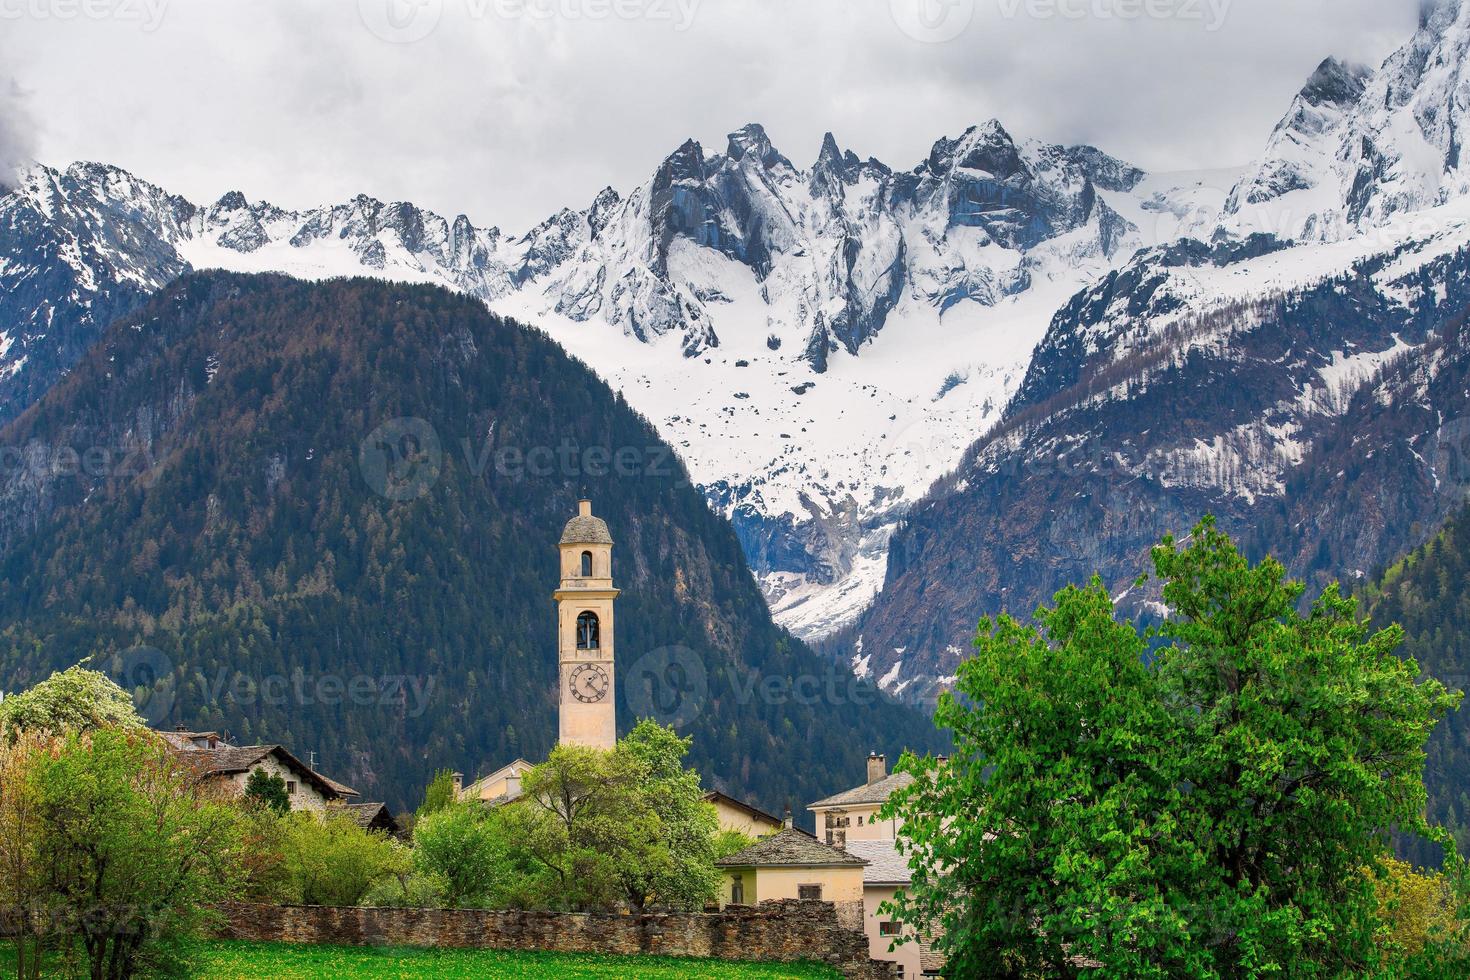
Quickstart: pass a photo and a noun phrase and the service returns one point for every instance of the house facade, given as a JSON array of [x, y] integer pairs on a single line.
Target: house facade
[[794, 864], [227, 769], [740, 817], [851, 821]]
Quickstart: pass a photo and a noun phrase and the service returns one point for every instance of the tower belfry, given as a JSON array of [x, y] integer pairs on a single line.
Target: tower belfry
[[584, 624]]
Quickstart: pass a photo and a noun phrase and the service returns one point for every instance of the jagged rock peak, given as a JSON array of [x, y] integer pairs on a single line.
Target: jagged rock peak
[[1439, 15], [987, 147], [751, 140], [685, 163], [232, 201], [830, 153], [1336, 83]]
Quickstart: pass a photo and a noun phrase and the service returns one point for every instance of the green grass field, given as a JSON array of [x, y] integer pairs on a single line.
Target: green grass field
[[249, 961]]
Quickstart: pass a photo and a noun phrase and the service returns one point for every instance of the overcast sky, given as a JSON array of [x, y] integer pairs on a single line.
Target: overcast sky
[[509, 109]]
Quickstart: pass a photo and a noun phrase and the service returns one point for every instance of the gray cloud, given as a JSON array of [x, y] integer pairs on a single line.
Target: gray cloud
[[510, 109], [17, 131]]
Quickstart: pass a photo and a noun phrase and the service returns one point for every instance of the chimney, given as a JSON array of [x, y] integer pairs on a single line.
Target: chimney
[[458, 779], [512, 786], [584, 508], [786, 820], [877, 768]]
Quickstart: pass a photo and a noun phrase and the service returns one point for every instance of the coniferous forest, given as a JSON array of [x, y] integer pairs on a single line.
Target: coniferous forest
[[1428, 594], [238, 489]]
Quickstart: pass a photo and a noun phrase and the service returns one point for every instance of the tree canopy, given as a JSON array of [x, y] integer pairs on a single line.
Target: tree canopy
[[1198, 799], [72, 700]]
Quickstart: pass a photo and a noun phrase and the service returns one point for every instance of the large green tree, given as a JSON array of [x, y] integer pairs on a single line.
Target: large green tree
[[584, 821], [1198, 800], [132, 852], [687, 825]]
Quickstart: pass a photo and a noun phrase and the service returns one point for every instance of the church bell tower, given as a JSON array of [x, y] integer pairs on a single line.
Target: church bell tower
[[584, 625]]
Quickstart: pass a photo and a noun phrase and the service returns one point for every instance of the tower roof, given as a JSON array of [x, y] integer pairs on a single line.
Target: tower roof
[[584, 528]]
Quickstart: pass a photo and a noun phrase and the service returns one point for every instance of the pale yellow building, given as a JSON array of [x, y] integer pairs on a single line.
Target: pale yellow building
[[794, 864], [850, 821], [740, 817], [853, 815], [503, 783]]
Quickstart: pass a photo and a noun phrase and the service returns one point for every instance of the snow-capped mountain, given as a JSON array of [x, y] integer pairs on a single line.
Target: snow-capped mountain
[[825, 342], [1360, 150], [821, 343], [1296, 365]]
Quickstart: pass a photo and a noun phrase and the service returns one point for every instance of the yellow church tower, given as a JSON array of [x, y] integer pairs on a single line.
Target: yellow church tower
[[584, 626]]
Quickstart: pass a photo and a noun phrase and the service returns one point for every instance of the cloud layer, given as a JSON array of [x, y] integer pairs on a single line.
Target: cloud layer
[[510, 109], [17, 131]]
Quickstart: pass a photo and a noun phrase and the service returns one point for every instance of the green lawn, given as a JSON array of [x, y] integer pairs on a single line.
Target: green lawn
[[249, 961]]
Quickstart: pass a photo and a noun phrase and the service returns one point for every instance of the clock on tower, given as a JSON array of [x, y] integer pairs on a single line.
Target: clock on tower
[[584, 624]]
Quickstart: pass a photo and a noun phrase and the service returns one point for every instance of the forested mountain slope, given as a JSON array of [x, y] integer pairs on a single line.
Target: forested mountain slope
[[226, 505], [1428, 593]]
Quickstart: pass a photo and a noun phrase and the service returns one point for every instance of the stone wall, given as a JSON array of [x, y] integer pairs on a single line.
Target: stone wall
[[782, 931]]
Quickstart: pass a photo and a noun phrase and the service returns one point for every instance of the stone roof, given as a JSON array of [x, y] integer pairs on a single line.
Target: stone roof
[[755, 813], [871, 793], [229, 760], [886, 866], [373, 816], [791, 848], [586, 530]]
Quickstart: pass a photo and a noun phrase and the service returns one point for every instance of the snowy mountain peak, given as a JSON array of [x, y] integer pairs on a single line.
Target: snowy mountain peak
[[1336, 83], [987, 148], [751, 140]]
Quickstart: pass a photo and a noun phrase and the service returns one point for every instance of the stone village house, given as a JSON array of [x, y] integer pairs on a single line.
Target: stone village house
[[857, 866], [228, 767]]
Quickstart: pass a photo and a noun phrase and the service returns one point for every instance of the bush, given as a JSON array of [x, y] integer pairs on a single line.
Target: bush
[[465, 847], [327, 859]]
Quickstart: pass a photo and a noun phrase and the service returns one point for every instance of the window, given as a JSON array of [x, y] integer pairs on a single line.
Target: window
[[890, 928], [291, 786], [860, 820], [737, 891], [809, 893], [586, 564], [587, 635]]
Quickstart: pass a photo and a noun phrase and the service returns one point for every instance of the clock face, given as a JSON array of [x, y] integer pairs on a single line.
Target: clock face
[[589, 683]]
